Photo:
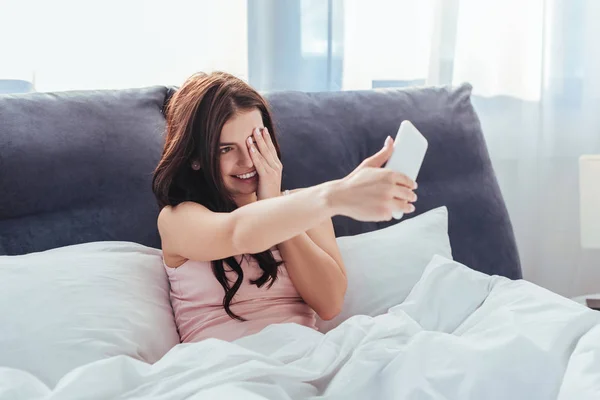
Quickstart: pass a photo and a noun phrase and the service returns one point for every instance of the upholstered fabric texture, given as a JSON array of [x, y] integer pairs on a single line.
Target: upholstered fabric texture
[[326, 135], [77, 166]]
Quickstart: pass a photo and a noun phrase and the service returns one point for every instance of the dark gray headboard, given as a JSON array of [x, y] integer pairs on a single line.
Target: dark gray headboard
[[325, 135], [77, 166]]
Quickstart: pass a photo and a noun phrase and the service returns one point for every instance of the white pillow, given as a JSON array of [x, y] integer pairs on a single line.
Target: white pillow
[[66, 307], [383, 266]]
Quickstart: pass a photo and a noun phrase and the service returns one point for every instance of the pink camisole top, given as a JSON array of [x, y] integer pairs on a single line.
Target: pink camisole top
[[197, 300]]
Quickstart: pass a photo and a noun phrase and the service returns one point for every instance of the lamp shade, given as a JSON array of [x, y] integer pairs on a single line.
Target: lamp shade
[[589, 198]]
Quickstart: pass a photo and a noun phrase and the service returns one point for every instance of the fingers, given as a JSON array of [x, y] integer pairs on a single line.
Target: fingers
[[402, 206], [264, 149], [257, 159], [400, 192], [381, 157], [393, 206], [400, 179], [270, 145], [403, 193]]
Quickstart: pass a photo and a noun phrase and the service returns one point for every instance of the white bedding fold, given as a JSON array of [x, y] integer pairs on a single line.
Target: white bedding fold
[[460, 334]]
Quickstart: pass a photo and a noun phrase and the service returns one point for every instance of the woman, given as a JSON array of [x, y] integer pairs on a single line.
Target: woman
[[239, 253]]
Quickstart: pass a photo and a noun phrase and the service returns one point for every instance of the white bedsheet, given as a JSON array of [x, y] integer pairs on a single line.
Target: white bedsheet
[[459, 335]]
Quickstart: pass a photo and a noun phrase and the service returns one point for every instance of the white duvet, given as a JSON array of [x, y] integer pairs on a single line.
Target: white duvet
[[460, 334]]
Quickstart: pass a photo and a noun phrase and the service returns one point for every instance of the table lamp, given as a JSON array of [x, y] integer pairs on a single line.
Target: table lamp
[[589, 201]]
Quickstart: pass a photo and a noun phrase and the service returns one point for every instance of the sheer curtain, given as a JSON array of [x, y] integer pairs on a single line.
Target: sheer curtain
[[295, 44], [72, 44], [534, 66], [535, 69]]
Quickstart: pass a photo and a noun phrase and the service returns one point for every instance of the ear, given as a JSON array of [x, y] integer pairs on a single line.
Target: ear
[[196, 165]]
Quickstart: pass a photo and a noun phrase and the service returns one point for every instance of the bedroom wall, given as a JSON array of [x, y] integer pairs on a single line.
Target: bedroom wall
[[535, 150]]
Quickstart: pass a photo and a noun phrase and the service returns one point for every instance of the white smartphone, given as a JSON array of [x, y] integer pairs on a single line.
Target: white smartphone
[[410, 147]]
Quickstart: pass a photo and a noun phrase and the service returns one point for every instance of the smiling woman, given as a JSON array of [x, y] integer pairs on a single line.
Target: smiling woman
[[235, 161], [223, 216], [209, 122]]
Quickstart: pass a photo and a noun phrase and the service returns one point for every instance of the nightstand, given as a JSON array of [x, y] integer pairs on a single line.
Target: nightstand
[[583, 300]]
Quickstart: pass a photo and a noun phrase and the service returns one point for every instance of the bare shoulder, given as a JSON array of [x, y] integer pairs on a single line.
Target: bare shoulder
[[171, 216], [172, 221]]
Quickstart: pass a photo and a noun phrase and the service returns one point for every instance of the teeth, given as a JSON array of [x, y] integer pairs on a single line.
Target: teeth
[[247, 176]]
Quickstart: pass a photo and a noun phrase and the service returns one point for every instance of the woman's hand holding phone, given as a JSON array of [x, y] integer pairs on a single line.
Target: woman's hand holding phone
[[372, 193]]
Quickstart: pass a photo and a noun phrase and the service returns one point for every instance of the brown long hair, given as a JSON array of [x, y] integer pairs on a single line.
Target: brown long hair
[[195, 117]]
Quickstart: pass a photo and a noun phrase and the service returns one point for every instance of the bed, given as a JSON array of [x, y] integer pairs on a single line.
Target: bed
[[436, 307]]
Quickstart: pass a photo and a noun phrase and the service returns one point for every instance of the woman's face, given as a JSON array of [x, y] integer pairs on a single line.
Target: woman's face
[[237, 169]]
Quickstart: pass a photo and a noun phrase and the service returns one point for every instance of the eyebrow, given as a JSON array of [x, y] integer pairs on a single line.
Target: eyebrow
[[229, 143]]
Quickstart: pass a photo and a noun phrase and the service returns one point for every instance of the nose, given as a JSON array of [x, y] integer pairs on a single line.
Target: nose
[[245, 161]]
